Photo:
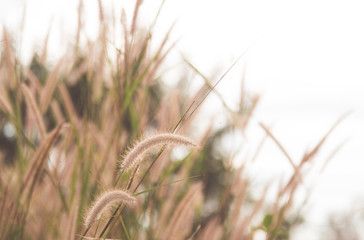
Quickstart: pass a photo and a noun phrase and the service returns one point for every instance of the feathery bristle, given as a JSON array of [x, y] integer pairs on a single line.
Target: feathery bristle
[[105, 200], [135, 154]]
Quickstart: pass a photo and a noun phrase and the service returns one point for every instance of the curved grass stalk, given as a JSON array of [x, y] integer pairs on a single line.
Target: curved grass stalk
[[105, 200], [134, 156]]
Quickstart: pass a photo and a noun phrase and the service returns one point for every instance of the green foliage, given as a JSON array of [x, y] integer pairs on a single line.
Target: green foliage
[[272, 232]]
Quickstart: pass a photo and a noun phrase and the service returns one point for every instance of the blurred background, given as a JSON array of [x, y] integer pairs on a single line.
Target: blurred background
[[305, 60]]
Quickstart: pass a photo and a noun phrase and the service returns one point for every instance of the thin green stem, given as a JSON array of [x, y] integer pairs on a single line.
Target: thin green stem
[[122, 223]]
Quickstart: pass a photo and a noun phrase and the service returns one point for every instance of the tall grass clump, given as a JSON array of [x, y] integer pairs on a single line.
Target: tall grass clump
[[66, 134]]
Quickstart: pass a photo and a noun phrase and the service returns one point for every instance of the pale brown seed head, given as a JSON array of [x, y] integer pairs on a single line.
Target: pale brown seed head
[[103, 201], [135, 154]]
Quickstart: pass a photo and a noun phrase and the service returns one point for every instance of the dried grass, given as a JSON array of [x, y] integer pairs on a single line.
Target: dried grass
[[72, 123]]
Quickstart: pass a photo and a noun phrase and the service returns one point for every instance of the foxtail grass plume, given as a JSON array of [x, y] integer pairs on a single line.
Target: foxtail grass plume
[[104, 201], [135, 154]]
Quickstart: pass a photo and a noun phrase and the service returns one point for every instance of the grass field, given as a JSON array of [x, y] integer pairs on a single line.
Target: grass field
[[95, 146]]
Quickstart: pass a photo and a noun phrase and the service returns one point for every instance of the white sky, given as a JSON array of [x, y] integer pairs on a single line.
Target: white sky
[[307, 63]]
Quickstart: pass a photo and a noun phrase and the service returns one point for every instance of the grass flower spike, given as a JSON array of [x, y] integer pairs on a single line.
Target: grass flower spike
[[104, 201], [135, 154]]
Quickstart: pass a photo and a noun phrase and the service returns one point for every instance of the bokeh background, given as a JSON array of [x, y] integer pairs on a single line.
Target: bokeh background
[[305, 59]]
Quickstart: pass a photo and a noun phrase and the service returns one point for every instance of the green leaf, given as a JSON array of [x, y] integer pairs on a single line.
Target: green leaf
[[267, 221]]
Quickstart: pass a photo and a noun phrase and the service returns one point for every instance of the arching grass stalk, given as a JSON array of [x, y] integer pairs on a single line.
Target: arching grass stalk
[[105, 200], [135, 155]]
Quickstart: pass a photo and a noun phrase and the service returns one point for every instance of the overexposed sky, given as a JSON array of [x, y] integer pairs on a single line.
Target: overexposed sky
[[306, 61]]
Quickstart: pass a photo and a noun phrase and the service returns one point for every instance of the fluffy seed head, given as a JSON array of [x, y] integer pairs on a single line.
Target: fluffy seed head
[[135, 154], [104, 201]]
